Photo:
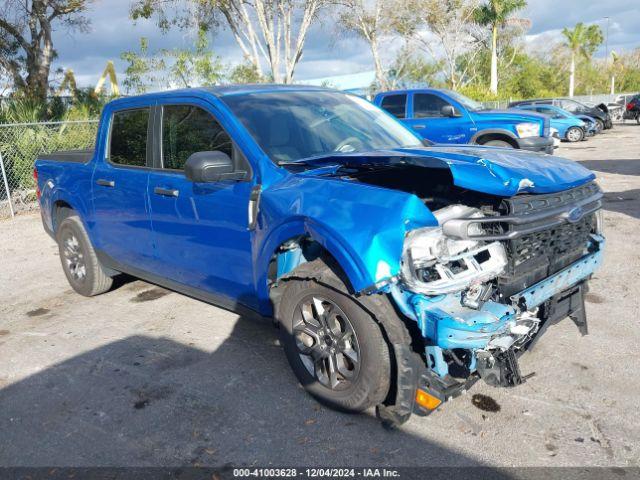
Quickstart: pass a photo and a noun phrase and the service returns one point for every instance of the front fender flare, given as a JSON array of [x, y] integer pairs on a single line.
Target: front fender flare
[[493, 131], [338, 247]]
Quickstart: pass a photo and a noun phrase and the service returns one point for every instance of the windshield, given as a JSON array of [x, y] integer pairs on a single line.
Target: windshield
[[297, 125], [466, 101]]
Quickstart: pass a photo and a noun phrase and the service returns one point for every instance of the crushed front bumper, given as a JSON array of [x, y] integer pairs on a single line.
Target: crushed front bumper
[[494, 331], [446, 323]]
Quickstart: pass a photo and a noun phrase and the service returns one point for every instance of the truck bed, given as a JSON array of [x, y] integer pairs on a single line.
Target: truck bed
[[75, 156]]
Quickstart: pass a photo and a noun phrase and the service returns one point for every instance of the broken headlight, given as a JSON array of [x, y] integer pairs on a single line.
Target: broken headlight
[[435, 264]]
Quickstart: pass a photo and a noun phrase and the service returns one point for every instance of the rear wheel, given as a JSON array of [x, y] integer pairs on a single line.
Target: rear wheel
[[498, 143], [79, 261], [575, 134], [335, 348]]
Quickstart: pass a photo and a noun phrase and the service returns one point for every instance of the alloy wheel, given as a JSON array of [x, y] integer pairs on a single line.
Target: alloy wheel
[[574, 135], [326, 342], [74, 258]]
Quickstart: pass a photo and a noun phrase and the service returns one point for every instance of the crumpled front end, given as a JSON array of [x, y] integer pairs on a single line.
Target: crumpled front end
[[484, 285]]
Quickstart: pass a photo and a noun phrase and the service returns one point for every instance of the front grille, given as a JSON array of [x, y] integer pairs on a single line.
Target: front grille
[[536, 256], [528, 204], [542, 233]]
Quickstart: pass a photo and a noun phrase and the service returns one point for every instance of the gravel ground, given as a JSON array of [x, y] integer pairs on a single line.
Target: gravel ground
[[143, 376]]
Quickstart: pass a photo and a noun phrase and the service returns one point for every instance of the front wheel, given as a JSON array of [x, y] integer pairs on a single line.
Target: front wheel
[[335, 348], [498, 143], [575, 134], [599, 125]]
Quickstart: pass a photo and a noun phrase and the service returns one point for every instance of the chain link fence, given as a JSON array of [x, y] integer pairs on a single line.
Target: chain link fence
[[20, 145]]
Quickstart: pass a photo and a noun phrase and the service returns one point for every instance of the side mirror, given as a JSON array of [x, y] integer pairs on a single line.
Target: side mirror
[[448, 111], [207, 167]]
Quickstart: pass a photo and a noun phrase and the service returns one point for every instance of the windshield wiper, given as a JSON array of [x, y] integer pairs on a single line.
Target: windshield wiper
[[311, 160]]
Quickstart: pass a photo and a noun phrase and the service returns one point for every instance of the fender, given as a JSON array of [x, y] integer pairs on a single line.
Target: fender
[[493, 131], [62, 195], [362, 226], [348, 260]]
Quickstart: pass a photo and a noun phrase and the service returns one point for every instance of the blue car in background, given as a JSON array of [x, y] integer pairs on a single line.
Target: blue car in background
[[445, 116], [570, 128]]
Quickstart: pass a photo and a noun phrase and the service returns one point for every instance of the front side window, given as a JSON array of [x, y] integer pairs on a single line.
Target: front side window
[[572, 107], [298, 125], [128, 144], [187, 129], [426, 105], [466, 102], [396, 105]]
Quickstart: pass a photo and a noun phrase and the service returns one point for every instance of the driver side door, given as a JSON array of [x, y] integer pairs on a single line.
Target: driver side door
[[428, 120], [201, 230]]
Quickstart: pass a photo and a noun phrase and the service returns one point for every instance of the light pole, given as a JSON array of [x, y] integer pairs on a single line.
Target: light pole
[[606, 42]]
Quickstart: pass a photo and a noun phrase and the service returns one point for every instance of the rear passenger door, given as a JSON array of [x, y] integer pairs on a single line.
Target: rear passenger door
[[201, 230], [119, 190]]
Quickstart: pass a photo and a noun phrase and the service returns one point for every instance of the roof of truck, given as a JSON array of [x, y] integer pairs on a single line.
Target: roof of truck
[[221, 91], [226, 90]]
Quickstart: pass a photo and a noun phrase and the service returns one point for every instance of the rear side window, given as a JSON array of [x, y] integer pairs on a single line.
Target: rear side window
[[129, 137], [187, 129], [396, 105], [426, 105]]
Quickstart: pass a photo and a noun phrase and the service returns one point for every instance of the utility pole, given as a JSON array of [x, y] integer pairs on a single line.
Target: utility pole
[[606, 43]]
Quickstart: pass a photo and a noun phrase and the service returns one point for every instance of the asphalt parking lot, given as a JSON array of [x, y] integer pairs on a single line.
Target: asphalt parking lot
[[143, 376]]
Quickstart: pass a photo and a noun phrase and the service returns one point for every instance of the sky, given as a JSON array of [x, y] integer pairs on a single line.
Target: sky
[[327, 52]]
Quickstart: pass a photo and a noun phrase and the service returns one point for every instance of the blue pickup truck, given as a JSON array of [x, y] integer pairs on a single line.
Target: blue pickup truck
[[445, 116], [398, 272]]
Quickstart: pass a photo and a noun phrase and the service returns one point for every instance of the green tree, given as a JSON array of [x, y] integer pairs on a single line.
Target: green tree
[[26, 39], [167, 68], [267, 31], [442, 29], [495, 14], [582, 41]]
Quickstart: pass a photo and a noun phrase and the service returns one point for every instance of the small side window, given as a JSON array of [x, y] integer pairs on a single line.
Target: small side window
[[187, 129], [426, 105], [128, 142], [396, 105]]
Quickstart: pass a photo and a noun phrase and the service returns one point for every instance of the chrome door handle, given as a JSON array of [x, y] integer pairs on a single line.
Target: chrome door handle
[[419, 127], [167, 192], [105, 183]]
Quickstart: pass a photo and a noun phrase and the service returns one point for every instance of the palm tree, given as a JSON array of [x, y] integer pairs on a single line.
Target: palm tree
[[495, 14], [582, 41]]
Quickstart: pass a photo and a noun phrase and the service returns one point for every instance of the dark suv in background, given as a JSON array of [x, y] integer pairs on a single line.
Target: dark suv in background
[[602, 118]]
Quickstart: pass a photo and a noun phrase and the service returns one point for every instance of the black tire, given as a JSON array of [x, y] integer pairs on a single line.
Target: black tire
[[370, 384], [599, 125], [497, 143], [574, 134], [79, 261]]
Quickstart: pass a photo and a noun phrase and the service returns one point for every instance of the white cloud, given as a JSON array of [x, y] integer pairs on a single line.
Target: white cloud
[[327, 52]]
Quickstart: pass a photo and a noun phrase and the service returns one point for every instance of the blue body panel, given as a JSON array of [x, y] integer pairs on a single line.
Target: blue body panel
[[202, 238], [467, 126]]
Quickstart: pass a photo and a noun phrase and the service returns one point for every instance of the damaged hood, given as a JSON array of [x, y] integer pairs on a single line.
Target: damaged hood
[[496, 171]]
